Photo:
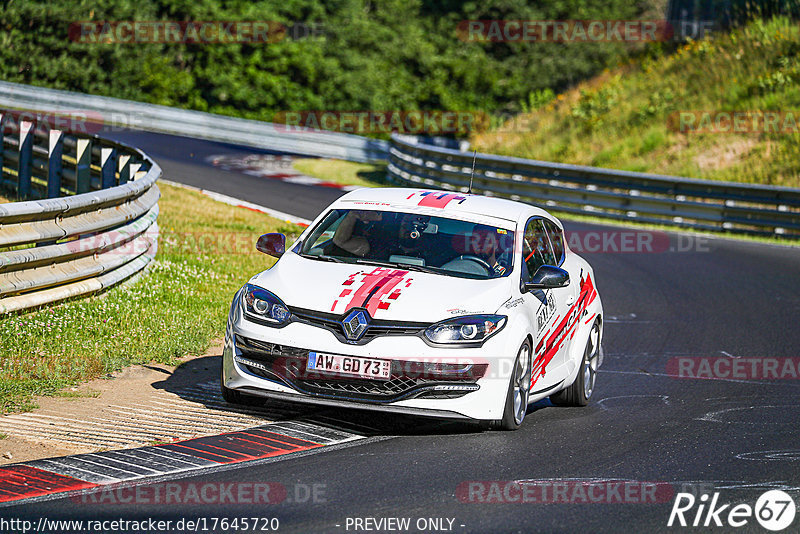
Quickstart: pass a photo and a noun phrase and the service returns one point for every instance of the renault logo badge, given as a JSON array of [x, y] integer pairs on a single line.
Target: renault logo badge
[[355, 324]]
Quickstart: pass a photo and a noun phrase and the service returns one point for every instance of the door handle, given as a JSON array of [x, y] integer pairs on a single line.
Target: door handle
[[570, 300]]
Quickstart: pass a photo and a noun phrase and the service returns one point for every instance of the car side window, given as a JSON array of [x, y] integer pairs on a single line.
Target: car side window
[[556, 240], [324, 232], [536, 249]]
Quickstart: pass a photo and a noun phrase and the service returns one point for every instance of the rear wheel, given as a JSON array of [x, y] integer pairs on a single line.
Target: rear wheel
[[519, 388], [579, 393]]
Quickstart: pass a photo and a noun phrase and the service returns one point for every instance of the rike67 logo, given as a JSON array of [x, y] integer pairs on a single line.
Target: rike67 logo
[[774, 510]]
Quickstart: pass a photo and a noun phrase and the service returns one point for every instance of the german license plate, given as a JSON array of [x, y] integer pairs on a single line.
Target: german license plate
[[349, 365]]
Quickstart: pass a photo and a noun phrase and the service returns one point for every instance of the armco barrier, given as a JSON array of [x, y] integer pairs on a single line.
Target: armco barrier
[[607, 193], [194, 124], [86, 219]]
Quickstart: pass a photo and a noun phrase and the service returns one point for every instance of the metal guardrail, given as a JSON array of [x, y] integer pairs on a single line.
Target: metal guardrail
[[87, 219], [607, 193], [194, 124]]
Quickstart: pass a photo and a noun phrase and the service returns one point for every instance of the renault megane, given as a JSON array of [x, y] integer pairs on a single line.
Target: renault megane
[[421, 302]]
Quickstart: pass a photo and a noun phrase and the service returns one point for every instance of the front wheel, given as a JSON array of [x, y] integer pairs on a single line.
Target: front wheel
[[579, 393], [232, 396], [519, 388]]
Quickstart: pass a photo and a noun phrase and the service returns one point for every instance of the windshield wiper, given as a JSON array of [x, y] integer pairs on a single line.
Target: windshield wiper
[[323, 257], [408, 266], [420, 268], [376, 262]]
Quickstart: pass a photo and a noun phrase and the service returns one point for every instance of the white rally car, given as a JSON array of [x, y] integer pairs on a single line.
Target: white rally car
[[421, 302]]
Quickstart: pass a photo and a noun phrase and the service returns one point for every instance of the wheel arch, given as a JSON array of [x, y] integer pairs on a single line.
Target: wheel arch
[[578, 344]]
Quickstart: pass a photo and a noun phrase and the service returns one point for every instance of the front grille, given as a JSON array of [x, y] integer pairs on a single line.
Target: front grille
[[362, 388], [406, 380], [375, 328]]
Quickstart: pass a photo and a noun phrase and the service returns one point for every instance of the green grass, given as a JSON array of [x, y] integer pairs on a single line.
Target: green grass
[[343, 172], [206, 252], [625, 118]]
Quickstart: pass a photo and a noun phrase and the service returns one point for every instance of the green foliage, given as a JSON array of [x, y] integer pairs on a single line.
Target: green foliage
[[658, 102], [537, 99], [627, 118], [365, 55], [593, 105], [785, 73]]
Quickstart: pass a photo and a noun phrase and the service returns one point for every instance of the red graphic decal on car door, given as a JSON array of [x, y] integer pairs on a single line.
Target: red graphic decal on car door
[[564, 330]]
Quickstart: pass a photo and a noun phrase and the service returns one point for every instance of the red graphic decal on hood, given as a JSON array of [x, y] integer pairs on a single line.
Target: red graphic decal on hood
[[564, 330], [431, 199], [377, 291]]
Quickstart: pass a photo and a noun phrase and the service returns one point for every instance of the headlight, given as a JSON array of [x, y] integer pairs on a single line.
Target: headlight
[[263, 306], [464, 330]]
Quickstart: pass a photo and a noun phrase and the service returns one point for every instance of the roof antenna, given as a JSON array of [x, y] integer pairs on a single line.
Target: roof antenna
[[472, 175]]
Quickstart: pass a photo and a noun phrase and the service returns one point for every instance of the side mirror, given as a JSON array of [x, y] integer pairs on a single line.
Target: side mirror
[[548, 277], [272, 244]]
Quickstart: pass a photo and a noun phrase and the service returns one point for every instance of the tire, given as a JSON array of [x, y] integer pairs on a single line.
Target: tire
[[519, 389], [580, 391], [232, 396]]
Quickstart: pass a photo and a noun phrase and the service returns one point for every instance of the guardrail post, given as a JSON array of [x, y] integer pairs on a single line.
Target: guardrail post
[[124, 169], [108, 167], [83, 167], [55, 151], [25, 159], [134, 169]]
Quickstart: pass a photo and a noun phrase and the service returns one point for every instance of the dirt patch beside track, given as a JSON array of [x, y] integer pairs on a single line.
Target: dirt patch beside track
[[140, 405]]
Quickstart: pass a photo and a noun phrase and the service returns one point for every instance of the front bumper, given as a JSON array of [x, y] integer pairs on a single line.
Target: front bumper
[[267, 361]]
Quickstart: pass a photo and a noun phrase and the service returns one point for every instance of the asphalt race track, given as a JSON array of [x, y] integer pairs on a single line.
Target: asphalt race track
[[183, 160], [734, 305]]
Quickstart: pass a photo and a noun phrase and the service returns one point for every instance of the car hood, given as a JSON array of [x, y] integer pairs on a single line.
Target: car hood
[[387, 293]]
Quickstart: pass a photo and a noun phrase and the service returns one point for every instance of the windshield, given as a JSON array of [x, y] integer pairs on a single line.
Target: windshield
[[411, 241]]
